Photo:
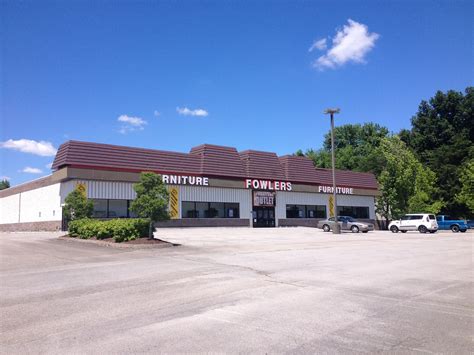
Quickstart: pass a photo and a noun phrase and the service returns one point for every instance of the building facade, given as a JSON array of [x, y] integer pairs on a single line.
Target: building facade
[[209, 186]]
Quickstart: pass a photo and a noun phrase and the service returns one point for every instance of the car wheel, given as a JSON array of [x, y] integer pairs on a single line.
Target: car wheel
[[326, 228], [403, 231], [365, 231], [455, 229], [394, 229], [422, 229], [432, 232], [463, 230], [355, 229]]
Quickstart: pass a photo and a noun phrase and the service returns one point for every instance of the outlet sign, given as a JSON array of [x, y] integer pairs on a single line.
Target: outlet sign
[[339, 190], [185, 180], [264, 198], [258, 184]]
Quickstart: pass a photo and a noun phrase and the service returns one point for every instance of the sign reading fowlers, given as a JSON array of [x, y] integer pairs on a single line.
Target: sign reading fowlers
[[264, 198], [339, 190], [185, 180], [258, 184]]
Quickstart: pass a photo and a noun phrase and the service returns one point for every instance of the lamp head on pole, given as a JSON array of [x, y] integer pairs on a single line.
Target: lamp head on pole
[[332, 110]]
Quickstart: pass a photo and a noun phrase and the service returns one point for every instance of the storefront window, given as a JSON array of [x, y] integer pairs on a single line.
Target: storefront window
[[209, 210], [305, 211], [104, 208], [315, 211], [100, 209], [188, 210], [353, 211], [118, 209], [131, 214], [202, 209], [231, 210], [295, 211], [216, 210]]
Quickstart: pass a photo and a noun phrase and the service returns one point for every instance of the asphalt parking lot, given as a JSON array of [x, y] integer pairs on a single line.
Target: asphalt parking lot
[[285, 290]]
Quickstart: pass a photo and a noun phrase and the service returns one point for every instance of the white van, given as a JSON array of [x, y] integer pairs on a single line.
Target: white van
[[421, 222]]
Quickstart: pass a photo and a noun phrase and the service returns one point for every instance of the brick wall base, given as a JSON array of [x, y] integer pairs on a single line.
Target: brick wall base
[[31, 226], [299, 222], [204, 222], [313, 222]]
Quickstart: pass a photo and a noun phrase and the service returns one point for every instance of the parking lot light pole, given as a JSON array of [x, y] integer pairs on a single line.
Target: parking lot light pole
[[332, 111]]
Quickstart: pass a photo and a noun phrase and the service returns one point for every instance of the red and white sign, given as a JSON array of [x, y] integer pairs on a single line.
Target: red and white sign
[[258, 184], [339, 190], [264, 198], [185, 180]]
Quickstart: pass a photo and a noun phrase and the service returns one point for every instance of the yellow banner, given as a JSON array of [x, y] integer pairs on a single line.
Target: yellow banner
[[82, 188], [331, 206], [174, 203]]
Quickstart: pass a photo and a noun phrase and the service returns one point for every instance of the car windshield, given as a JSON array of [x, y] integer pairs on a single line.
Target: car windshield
[[350, 219]]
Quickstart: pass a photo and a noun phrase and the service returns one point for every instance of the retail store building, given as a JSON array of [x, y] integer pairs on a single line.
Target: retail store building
[[209, 186]]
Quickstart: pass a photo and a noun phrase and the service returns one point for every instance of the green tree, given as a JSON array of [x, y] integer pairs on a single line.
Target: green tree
[[77, 206], [4, 184], [466, 194], [152, 199], [355, 146], [406, 185], [442, 137]]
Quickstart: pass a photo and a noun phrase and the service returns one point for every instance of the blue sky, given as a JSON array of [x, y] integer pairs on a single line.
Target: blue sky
[[236, 73]]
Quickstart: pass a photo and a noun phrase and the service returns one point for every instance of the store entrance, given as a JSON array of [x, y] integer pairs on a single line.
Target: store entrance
[[263, 217]]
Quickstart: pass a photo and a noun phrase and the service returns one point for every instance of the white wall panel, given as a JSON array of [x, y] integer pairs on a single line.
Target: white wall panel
[[9, 209], [43, 204], [38, 205], [101, 189], [217, 194]]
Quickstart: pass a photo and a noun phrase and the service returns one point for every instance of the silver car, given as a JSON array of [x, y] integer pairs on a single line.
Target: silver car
[[346, 223]]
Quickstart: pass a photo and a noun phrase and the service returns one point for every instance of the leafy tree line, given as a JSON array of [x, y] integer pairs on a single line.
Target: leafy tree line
[[4, 184], [429, 168]]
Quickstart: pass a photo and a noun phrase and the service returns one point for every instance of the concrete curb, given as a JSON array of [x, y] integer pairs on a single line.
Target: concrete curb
[[117, 245]]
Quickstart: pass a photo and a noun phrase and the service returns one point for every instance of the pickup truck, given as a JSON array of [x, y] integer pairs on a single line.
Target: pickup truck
[[456, 225]]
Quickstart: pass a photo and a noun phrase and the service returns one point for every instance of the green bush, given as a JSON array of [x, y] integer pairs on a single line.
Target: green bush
[[120, 229]]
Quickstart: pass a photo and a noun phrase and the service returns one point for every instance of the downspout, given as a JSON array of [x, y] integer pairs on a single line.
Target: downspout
[[19, 207]]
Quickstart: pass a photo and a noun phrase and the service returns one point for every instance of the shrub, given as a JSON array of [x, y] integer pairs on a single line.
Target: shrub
[[120, 229], [77, 205]]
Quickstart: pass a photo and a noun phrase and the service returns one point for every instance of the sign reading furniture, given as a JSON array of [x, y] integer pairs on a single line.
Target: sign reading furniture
[[185, 180], [339, 190]]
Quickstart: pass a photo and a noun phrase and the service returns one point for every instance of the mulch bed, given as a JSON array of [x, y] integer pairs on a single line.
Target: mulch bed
[[109, 242]]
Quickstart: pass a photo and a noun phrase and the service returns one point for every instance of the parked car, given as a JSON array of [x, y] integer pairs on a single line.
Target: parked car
[[421, 222], [456, 225], [346, 223], [470, 223]]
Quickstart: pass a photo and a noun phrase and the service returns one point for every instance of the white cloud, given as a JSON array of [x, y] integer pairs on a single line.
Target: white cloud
[[319, 44], [42, 148], [49, 166], [351, 44], [130, 124], [156, 113], [31, 170], [187, 112]]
